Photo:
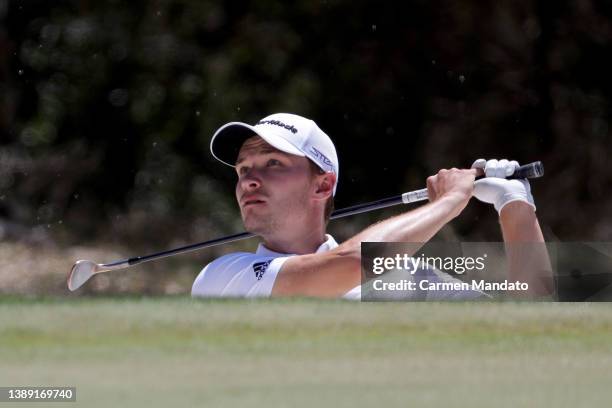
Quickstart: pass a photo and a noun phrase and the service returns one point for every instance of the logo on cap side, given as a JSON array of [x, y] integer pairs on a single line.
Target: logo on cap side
[[277, 123], [321, 157]]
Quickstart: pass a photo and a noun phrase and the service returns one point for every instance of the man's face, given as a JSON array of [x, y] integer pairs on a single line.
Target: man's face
[[273, 187]]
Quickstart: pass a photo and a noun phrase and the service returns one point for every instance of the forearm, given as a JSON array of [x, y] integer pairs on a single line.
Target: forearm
[[528, 258], [336, 272], [417, 226]]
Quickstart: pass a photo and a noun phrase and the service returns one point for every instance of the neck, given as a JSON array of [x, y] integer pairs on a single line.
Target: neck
[[298, 241]]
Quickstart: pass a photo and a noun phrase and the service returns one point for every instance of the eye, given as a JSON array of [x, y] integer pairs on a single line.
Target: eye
[[242, 170], [273, 162]]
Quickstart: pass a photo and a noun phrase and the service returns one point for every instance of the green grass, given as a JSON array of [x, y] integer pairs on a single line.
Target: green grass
[[176, 351]]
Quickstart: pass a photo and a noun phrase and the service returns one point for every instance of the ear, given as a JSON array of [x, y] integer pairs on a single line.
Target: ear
[[324, 185]]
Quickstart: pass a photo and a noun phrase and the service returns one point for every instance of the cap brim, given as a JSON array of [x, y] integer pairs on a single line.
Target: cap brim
[[228, 139]]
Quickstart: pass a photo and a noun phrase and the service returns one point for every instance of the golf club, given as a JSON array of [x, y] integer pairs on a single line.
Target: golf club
[[83, 270]]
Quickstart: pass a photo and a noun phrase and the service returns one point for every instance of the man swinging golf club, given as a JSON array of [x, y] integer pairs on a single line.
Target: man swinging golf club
[[287, 170]]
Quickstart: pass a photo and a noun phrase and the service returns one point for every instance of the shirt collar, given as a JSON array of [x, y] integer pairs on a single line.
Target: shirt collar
[[330, 243]]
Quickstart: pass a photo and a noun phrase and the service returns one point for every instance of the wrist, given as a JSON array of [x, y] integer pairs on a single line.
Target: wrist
[[454, 204], [517, 211], [519, 223], [517, 207]]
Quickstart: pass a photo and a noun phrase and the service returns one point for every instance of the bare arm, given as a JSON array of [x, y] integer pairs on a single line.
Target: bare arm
[[334, 273], [525, 247]]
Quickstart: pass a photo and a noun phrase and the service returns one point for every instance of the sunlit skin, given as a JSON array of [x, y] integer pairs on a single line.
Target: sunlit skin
[[280, 198]]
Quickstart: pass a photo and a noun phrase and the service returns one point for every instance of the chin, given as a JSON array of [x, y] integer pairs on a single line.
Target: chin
[[256, 226], [252, 225]]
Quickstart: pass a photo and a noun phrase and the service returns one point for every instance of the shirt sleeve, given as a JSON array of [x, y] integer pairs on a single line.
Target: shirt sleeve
[[353, 294], [238, 275]]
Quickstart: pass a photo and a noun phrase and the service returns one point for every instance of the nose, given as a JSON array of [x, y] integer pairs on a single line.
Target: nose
[[250, 181]]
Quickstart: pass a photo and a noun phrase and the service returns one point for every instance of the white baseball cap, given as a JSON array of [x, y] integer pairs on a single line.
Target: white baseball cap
[[287, 132]]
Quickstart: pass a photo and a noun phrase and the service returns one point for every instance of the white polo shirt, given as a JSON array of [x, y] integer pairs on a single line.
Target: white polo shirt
[[244, 274]]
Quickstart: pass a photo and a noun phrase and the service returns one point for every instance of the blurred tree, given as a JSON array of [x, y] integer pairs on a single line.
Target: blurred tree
[[107, 108]]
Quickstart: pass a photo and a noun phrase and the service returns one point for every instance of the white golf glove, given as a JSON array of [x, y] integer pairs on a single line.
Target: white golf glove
[[495, 189]]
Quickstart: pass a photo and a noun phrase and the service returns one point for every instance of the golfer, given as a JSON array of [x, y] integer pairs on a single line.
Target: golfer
[[287, 174]]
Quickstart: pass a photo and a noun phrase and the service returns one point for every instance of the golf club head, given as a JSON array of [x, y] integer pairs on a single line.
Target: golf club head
[[80, 273]]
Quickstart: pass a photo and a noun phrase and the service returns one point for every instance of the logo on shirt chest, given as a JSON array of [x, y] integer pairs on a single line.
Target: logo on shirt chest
[[260, 268]]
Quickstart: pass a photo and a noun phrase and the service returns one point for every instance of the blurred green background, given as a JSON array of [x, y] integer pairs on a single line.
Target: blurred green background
[[107, 110]]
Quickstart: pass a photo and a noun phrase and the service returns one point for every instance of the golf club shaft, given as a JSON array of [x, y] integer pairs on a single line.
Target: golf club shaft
[[345, 212], [531, 170]]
